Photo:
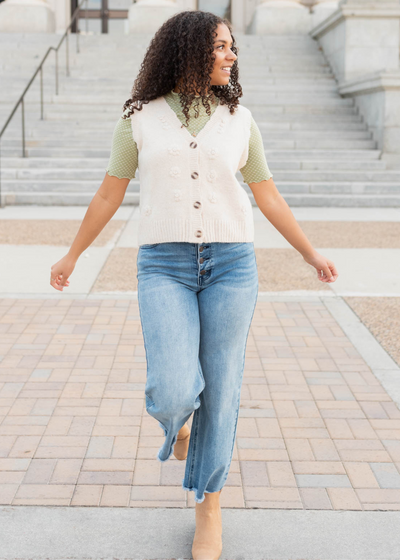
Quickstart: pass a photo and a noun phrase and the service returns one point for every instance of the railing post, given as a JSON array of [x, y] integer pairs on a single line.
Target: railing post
[[67, 53], [21, 100], [41, 92], [56, 52], [23, 127], [77, 31], [1, 199]]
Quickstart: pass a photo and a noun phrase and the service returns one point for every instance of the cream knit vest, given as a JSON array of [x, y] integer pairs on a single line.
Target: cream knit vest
[[188, 188]]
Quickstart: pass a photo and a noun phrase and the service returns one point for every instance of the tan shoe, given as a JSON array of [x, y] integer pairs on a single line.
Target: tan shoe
[[207, 542], [182, 443]]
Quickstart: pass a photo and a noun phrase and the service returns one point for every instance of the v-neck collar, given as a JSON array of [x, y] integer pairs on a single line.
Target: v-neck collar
[[208, 125]]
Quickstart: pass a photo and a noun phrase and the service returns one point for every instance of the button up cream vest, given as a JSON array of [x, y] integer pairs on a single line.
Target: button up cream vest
[[188, 188]]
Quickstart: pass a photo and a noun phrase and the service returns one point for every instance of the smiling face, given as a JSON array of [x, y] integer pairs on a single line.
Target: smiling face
[[224, 57]]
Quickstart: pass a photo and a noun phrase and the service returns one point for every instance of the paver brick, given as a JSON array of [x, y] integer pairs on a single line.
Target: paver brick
[[87, 495], [324, 450], [280, 474], [116, 496], [361, 475], [386, 474], [274, 505], [315, 498], [271, 494], [393, 448], [344, 498], [365, 455], [254, 473], [318, 467], [392, 410], [147, 472], [316, 429], [375, 495]]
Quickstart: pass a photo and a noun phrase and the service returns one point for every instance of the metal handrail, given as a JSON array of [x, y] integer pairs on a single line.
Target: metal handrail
[[75, 16]]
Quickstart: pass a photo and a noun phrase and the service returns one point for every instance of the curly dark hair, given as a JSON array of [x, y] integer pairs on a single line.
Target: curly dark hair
[[182, 50]]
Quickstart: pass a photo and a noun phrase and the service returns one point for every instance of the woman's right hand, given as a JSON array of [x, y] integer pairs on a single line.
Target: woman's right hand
[[61, 271]]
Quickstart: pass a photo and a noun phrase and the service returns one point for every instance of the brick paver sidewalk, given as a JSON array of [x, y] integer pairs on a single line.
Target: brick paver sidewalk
[[316, 429]]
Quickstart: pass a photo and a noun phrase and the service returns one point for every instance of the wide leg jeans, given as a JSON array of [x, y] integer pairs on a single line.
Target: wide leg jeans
[[196, 304]]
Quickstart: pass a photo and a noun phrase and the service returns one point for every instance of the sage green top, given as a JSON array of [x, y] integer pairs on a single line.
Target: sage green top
[[124, 153]]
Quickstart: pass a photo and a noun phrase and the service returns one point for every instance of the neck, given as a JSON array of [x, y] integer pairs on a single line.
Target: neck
[[176, 90]]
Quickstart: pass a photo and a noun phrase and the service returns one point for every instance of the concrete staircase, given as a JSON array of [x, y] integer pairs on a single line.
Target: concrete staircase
[[318, 147]]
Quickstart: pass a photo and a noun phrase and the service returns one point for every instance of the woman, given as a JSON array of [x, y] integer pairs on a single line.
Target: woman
[[197, 272]]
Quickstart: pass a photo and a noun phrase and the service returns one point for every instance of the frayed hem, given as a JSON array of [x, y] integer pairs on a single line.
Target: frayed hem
[[175, 439], [195, 490], [199, 501]]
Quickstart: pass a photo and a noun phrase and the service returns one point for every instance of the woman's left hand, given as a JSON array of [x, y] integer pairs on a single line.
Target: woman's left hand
[[324, 265]]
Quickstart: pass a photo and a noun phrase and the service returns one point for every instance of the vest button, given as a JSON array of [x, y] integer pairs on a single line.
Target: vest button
[[202, 272], [199, 233], [193, 145], [201, 260], [201, 249], [194, 175], [197, 204]]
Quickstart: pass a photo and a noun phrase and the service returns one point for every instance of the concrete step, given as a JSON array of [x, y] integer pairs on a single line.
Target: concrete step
[[41, 131], [295, 159], [276, 120], [290, 154], [285, 135], [15, 84], [295, 186], [317, 145], [281, 176], [296, 200], [259, 112], [89, 151], [276, 161], [302, 128]]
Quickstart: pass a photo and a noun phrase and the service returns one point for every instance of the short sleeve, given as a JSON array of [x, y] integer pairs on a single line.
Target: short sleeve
[[256, 168], [123, 160]]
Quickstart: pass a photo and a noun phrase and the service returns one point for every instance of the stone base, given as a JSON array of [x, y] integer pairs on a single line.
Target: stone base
[[280, 17], [26, 16], [377, 97], [147, 16], [322, 11]]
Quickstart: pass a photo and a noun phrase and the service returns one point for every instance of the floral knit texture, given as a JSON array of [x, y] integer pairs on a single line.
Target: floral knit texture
[[123, 160], [192, 198]]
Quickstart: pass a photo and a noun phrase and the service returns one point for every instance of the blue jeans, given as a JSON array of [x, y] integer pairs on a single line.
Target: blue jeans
[[196, 304]]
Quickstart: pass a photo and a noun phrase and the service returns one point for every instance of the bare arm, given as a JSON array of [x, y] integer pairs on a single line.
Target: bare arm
[[277, 211], [102, 208]]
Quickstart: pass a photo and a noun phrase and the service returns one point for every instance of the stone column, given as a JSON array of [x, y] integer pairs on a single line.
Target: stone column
[[26, 16], [147, 16], [276, 17], [361, 37], [361, 40], [321, 9], [186, 4], [242, 13], [62, 13]]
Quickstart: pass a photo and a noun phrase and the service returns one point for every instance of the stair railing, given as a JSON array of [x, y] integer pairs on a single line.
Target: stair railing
[[74, 18]]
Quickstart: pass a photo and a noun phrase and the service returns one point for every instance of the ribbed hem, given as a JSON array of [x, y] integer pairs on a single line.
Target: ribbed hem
[[167, 231]]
